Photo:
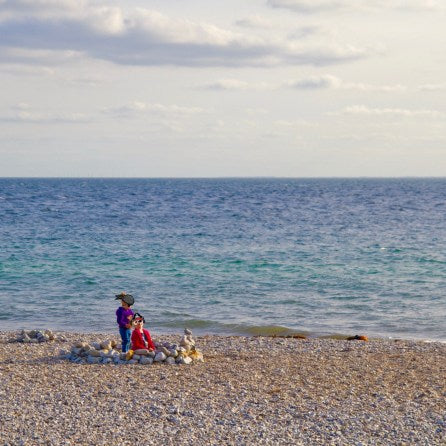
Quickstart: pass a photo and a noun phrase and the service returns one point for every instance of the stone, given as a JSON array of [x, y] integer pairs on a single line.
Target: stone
[[183, 360], [160, 357], [196, 355], [94, 352], [187, 332], [358, 338], [50, 334], [105, 345], [184, 342], [83, 353], [165, 351], [142, 352]]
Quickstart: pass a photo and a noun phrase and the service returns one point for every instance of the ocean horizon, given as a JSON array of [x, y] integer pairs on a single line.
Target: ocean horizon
[[246, 256]]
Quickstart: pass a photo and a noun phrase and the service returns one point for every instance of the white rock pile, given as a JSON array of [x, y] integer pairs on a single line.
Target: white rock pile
[[106, 352], [36, 336]]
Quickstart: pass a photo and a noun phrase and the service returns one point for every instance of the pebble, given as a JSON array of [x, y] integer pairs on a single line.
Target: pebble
[[252, 391], [105, 353], [35, 336], [160, 357]]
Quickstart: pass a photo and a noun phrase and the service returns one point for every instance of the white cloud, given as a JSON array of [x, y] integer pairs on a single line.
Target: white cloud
[[235, 84], [314, 6], [370, 87], [315, 82], [138, 108], [24, 113], [393, 112], [33, 56], [321, 82], [432, 87], [145, 37], [254, 21], [327, 81]]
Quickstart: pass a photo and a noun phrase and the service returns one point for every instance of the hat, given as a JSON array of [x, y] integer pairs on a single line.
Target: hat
[[138, 316], [127, 298]]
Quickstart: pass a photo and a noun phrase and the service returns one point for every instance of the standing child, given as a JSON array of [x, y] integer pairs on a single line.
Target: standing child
[[140, 336], [124, 316]]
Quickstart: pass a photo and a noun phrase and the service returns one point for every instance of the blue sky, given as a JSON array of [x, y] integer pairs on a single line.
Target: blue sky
[[178, 88]]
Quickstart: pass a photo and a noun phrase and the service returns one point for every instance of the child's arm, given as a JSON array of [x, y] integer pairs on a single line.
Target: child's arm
[[122, 319], [150, 343]]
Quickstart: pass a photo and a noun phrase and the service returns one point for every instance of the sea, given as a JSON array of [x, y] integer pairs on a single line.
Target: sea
[[320, 257]]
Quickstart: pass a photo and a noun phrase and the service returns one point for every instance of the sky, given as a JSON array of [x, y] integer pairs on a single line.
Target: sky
[[202, 88]]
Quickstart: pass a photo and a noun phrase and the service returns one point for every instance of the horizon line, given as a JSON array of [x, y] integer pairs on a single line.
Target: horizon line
[[223, 177]]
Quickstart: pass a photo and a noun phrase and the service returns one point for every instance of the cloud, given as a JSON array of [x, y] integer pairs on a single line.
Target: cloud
[[315, 82], [392, 112], [315, 6], [307, 6], [139, 108], [432, 87], [328, 81], [254, 21], [138, 36], [235, 84], [24, 113], [36, 56]]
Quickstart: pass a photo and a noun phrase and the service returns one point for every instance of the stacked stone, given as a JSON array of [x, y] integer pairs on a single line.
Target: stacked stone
[[107, 353], [35, 336]]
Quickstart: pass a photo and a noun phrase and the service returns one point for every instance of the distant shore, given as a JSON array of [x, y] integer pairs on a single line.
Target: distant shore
[[249, 390]]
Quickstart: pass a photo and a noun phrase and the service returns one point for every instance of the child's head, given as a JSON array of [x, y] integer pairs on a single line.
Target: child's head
[[138, 320], [126, 299]]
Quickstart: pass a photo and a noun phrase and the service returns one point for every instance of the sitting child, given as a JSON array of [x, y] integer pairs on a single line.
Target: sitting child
[[141, 337]]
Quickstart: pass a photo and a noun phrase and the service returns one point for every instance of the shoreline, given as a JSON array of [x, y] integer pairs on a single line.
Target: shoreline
[[249, 390], [255, 331]]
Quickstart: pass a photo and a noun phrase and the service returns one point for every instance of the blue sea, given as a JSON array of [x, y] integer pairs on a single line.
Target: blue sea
[[321, 257]]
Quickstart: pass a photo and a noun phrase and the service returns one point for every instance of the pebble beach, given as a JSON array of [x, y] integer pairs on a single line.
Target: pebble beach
[[248, 391]]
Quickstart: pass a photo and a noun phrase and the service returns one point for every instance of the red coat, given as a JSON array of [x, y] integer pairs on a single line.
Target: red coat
[[138, 340]]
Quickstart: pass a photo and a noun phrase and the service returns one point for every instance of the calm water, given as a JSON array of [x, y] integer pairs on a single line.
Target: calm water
[[244, 256]]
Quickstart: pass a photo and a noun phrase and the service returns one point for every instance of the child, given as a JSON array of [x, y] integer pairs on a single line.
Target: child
[[124, 317], [140, 336]]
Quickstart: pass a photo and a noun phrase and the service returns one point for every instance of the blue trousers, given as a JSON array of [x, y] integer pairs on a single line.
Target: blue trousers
[[125, 336]]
